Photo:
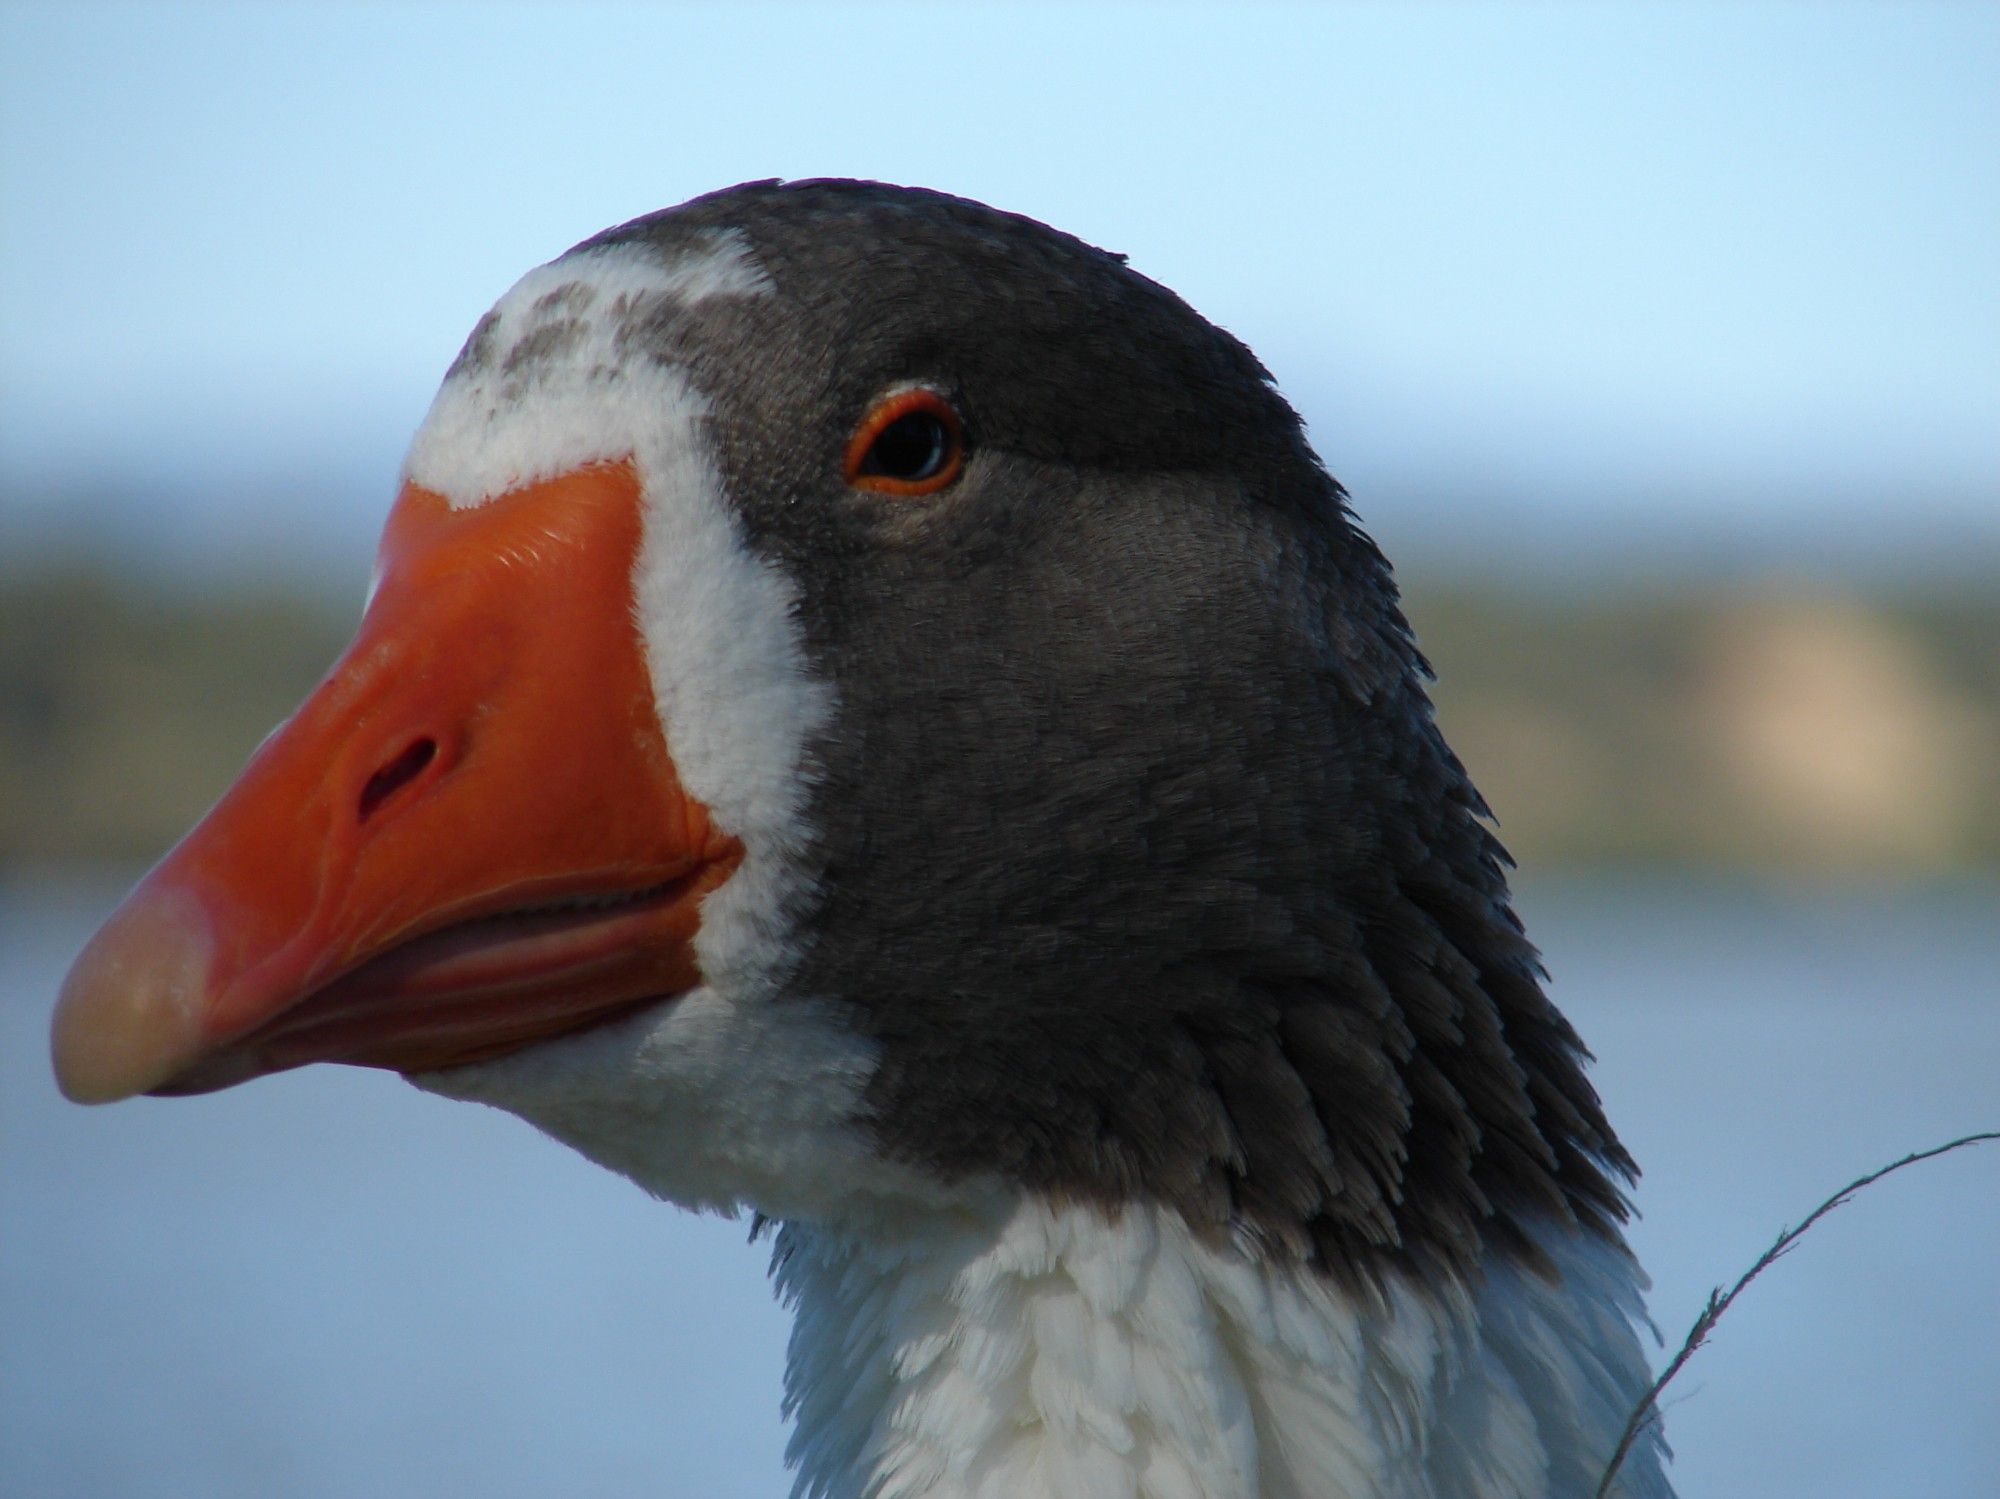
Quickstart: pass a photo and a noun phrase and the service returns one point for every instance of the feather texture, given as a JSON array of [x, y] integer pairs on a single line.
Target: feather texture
[[1050, 1353]]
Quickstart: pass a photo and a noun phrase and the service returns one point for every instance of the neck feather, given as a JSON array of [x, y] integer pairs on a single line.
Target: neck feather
[[1064, 1352]]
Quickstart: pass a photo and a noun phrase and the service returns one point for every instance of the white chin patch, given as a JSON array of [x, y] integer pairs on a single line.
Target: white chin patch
[[728, 1096]]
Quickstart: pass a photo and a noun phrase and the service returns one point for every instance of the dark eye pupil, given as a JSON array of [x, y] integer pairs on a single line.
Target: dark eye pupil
[[913, 446]]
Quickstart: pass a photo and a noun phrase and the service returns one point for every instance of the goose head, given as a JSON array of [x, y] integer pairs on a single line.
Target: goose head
[[870, 712]]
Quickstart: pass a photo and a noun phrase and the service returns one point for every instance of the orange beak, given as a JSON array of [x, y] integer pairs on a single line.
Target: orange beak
[[469, 838]]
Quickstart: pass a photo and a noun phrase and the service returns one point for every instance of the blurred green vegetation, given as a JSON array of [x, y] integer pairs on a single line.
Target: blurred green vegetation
[[125, 711], [1773, 727], [1759, 726]]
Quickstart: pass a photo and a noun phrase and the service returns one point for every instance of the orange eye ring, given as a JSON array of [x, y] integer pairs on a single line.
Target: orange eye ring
[[911, 442]]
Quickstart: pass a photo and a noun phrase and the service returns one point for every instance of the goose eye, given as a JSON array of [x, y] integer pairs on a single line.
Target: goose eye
[[911, 442]]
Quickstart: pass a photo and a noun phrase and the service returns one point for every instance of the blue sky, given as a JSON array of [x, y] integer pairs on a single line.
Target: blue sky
[[1644, 274]]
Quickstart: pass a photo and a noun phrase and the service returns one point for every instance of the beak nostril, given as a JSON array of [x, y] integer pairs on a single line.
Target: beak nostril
[[394, 776]]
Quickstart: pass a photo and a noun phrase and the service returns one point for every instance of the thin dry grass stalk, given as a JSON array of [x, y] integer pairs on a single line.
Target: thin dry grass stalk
[[1719, 1300]]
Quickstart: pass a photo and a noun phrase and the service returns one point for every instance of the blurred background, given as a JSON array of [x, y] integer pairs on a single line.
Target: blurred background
[[1659, 345]]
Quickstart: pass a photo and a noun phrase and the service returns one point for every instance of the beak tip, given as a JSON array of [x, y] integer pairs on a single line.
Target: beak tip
[[130, 1013]]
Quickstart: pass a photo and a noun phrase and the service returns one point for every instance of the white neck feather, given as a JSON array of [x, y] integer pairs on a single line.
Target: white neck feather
[[1063, 1354]]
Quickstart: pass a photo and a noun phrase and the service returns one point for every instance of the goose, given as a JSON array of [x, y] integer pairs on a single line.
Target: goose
[[870, 714]]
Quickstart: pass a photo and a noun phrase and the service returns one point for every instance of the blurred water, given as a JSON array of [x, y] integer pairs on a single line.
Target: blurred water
[[328, 1284]]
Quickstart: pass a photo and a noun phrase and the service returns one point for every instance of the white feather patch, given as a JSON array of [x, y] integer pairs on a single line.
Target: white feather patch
[[1045, 1353], [726, 1097], [552, 378]]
